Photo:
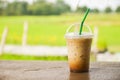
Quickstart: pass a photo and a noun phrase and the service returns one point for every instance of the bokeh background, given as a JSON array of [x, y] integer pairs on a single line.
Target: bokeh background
[[47, 21]]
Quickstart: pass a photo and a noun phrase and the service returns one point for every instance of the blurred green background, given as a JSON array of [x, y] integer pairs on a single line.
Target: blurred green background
[[48, 23]]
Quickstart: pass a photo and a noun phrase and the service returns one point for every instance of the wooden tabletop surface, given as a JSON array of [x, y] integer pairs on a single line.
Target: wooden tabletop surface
[[56, 70]]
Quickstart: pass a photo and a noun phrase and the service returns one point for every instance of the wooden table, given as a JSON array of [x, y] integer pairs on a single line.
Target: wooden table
[[56, 70]]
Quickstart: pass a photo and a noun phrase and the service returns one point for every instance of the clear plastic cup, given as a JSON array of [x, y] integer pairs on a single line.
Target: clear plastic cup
[[79, 47]]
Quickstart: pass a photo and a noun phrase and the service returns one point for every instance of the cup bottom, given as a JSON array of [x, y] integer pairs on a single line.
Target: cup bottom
[[76, 71]]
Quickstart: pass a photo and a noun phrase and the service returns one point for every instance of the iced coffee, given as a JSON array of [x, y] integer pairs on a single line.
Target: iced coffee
[[78, 51]]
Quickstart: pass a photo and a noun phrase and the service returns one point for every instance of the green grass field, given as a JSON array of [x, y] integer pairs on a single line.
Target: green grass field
[[45, 58], [50, 30], [28, 57]]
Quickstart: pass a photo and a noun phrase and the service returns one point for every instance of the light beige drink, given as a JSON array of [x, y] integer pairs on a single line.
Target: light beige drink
[[78, 51], [79, 76]]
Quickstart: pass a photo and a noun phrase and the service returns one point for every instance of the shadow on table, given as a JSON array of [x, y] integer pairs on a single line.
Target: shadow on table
[[79, 76]]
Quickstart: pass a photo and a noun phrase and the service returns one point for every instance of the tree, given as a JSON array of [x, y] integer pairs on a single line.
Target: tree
[[38, 7], [108, 10], [10, 9], [40, 1], [81, 9], [17, 8], [45, 8], [95, 10], [2, 6], [118, 9], [62, 7], [22, 8]]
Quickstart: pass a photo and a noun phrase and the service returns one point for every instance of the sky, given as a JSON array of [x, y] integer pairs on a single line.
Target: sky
[[100, 4]]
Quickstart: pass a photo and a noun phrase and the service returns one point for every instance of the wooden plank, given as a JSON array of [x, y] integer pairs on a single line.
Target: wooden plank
[[56, 70], [25, 31], [3, 39]]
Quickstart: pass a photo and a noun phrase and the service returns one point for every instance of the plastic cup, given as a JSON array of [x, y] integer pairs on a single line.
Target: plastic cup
[[79, 47], [79, 76]]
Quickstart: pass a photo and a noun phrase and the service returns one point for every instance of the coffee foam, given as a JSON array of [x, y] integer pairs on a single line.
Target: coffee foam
[[76, 35]]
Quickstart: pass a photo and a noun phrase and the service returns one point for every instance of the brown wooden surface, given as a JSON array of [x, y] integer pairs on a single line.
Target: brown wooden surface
[[45, 70]]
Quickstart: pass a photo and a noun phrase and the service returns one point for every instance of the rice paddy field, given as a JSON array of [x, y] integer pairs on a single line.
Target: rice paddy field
[[43, 58], [50, 30]]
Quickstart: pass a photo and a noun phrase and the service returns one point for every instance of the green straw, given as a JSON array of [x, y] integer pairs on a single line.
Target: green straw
[[81, 26]]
